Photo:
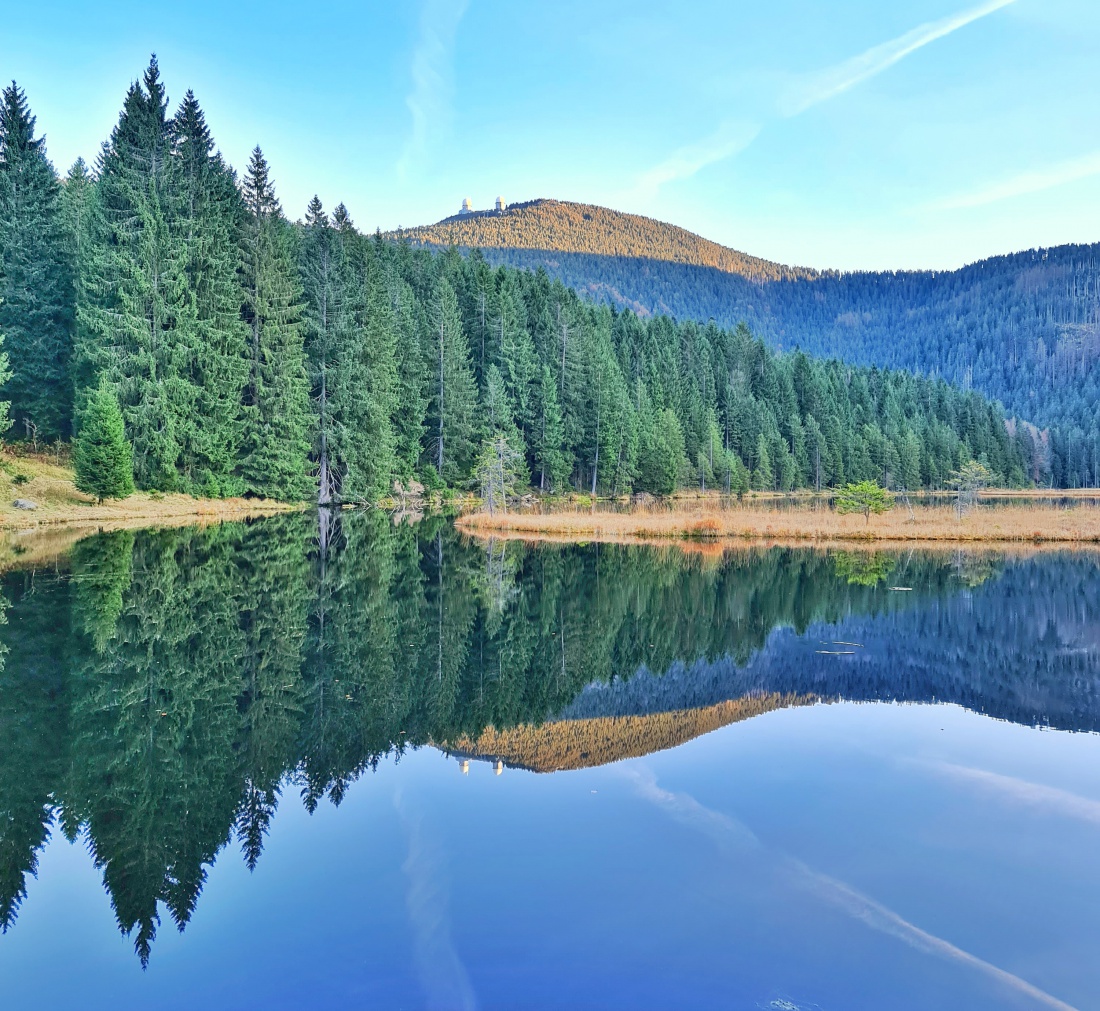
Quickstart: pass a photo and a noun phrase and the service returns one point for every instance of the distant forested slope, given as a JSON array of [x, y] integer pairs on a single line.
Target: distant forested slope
[[1023, 328]]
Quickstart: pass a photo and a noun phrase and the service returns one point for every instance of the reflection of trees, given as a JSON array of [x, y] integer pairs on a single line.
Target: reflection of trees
[[162, 697], [863, 568]]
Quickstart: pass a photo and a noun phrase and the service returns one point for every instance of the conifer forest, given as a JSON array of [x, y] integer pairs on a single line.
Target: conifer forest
[[303, 360]]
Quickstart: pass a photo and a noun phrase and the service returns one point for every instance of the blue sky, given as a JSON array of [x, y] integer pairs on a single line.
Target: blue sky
[[916, 133]]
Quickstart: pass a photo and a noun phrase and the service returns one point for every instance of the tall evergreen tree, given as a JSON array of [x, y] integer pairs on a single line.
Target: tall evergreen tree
[[207, 216], [134, 278], [452, 417], [413, 378], [101, 455], [278, 423], [550, 460], [36, 282]]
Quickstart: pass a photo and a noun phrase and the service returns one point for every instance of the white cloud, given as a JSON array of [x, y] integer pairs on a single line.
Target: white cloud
[[729, 139], [820, 87], [1034, 181], [429, 101]]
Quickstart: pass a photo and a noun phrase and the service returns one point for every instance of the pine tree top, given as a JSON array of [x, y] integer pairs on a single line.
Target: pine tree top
[[315, 213], [259, 189], [341, 219], [17, 123]]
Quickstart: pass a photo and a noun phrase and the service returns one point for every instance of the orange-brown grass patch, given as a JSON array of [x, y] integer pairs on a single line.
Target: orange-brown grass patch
[[803, 522], [583, 744]]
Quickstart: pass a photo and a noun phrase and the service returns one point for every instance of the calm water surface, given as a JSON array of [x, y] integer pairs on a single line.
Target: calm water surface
[[275, 766]]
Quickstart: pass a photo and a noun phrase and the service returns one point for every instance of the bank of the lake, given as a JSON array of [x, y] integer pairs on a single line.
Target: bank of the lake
[[1015, 519], [46, 488]]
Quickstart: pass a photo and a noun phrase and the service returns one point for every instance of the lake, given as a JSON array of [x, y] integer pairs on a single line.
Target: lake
[[285, 765]]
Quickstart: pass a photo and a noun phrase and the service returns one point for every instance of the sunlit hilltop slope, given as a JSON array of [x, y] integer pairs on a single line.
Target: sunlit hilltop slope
[[566, 227]]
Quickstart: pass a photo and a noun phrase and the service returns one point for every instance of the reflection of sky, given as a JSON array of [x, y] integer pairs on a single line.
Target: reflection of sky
[[852, 856]]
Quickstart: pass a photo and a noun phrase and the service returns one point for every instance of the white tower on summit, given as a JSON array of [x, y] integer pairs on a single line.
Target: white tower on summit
[[500, 204], [467, 207]]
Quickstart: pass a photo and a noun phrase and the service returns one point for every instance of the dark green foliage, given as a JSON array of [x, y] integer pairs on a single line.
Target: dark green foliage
[[36, 279], [250, 355], [102, 457], [277, 413], [1019, 328]]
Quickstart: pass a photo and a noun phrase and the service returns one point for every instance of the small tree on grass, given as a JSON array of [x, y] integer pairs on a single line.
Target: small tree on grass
[[102, 457], [864, 497], [967, 481]]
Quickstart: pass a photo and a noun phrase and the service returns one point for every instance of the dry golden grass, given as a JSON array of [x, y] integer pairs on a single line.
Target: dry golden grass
[[50, 486], [806, 521]]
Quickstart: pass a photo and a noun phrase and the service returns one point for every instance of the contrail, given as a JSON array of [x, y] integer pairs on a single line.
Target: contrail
[[429, 101], [1023, 791], [732, 138], [729, 835], [443, 976], [833, 81], [1034, 181], [729, 139]]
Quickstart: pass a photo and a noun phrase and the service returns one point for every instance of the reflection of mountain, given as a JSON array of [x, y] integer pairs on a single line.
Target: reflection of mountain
[[1024, 648], [582, 743], [160, 694]]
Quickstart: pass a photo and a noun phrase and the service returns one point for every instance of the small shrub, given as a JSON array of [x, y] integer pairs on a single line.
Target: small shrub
[[19, 478]]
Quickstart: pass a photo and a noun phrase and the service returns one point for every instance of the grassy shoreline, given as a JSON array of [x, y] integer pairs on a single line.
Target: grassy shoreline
[[1025, 520], [49, 485]]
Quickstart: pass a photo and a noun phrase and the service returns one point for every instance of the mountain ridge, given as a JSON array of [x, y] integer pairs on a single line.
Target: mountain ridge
[[590, 228]]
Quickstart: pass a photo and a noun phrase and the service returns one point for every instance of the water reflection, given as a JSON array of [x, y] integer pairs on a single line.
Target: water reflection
[[163, 690]]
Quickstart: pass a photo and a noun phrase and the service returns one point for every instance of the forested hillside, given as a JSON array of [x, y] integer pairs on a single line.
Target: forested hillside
[[252, 355], [1023, 328]]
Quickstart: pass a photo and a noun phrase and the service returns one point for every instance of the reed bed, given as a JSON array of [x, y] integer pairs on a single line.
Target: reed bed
[[1031, 522]]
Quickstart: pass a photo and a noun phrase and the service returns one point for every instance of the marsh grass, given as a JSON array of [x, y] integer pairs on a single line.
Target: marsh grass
[[1020, 520]]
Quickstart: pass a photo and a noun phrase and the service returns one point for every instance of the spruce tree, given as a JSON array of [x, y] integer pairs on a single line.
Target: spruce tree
[[452, 421], [207, 214], [763, 476], [550, 459], [134, 275], [278, 422], [77, 210], [101, 455], [411, 406], [379, 393], [36, 283], [334, 287]]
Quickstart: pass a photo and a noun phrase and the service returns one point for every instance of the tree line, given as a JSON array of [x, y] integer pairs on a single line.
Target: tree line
[[1020, 328], [252, 355]]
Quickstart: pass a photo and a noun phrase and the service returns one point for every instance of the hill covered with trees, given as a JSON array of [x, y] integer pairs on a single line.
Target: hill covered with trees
[[252, 355], [1022, 328]]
